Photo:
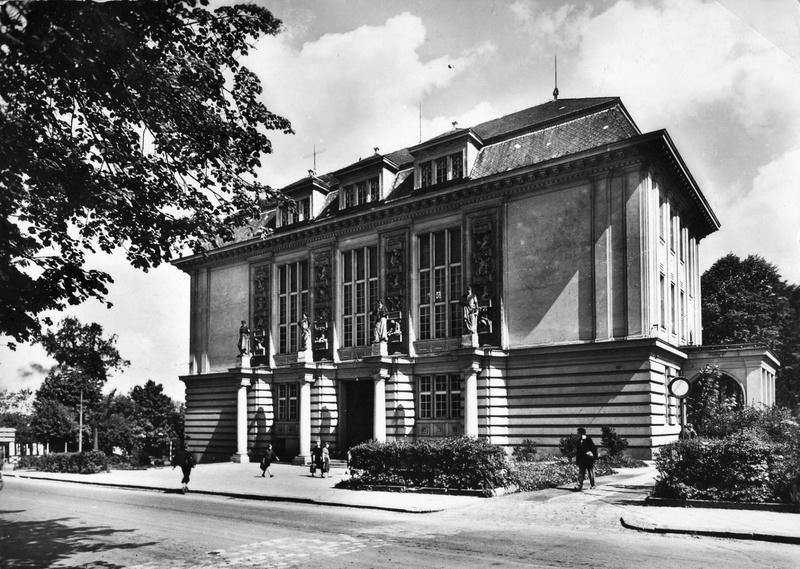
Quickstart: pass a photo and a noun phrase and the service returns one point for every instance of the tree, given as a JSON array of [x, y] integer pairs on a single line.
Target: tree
[[748, 301], [744, 301], [53, 421], [158, 416], [84, 357], [121, 125], [118, 425]]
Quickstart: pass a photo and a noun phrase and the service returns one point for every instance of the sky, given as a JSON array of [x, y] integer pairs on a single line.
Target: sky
[[722, 77]]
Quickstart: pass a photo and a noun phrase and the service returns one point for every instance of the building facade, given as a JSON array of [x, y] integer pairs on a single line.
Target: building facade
[[513, 280]]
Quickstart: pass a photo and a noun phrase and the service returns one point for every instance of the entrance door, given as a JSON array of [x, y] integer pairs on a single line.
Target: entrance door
[[358, 411]]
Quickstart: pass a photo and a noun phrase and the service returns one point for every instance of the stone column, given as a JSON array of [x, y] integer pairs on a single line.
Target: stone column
[[379, 411], [471, 400], [305, 423], [241, 423]]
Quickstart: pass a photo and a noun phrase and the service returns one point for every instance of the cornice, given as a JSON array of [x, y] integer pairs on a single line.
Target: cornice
[[580, 166]]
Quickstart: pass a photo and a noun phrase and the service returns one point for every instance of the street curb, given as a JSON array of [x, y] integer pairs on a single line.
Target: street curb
[[652, 528], [754, 506], [258, 497]]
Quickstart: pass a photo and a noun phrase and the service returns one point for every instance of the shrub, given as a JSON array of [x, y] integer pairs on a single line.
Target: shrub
[[530, 476], [622, 461], [89, 462], [567, 445], [613, 442], [735, 469], [525, 452], [456, 462]]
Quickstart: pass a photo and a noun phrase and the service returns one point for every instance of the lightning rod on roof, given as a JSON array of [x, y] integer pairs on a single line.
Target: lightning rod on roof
[[555, 69]]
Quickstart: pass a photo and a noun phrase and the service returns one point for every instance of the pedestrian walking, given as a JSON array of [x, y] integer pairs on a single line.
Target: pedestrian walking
[[185, 459], [316, 458], [585, 455], [267, 460], [326, 460]]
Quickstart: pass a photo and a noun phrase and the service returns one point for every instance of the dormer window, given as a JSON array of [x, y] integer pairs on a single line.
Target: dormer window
[[442, 169], [294, 213], [365, 191]]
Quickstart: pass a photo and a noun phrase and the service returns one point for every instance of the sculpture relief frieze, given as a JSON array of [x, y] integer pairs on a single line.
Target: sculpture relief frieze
[[485, 275], [259, 301], [322, 327], [396, 271]]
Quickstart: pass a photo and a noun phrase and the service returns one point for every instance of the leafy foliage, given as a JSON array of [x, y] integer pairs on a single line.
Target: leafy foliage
[[614, 443], [53, 421], [567, 445], [455, 462], [707, 407], [83, 357], [90, 462], [123, 125], [525, 451], [538, 475], [756, 458], [746, 300], [735, 469]]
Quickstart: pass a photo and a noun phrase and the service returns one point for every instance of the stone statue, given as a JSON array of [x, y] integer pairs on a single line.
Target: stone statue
[[469, 304], [305, 333], [379, 326], [244, 339]]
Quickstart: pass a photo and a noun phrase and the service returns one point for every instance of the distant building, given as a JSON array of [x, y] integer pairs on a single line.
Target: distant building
[[578, 236]]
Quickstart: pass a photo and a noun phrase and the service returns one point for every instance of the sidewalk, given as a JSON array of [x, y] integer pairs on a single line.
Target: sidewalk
[[626, 491], [290, 484]]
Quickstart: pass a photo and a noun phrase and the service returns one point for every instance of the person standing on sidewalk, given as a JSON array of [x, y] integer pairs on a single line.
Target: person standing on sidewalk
[[267, 460], [316, 458], [326, 460], [585, 455], [185, 459]]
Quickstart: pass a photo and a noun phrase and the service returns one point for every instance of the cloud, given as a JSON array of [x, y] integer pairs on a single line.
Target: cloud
[[767, 222], [349, 92]]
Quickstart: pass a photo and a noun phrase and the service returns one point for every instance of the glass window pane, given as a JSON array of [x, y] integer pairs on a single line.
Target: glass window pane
[[457, 165], [303, 275], [455, 245], [424, 251], [441, 323], [425, 287], [441, 383], [361, 330], [362, 192], [373, 261], [282, 279], [348, 331], [441, 169], [359, 264], [438, 248], [348, 299], [293, 278], [348, 267], [424, 322], [360, 298], [374, 193], [440, 410], [425, 405]]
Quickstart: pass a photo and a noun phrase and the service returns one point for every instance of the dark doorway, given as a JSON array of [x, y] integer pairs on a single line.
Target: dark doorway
[[358, 412]]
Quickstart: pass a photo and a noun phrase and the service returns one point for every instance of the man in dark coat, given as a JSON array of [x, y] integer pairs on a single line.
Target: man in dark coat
[[185, 459], [585, 455]]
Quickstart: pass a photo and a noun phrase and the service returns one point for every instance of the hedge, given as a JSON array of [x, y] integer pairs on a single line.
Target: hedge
[[462, 463], [89, 462], [742, 467]]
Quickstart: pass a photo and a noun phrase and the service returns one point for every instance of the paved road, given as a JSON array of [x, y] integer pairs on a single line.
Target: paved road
[[52, 524]]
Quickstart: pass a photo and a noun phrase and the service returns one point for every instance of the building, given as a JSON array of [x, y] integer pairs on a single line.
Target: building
[[578, 236]]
